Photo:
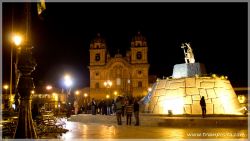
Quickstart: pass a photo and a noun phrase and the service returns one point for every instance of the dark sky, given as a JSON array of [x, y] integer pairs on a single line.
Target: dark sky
[[217, 32]]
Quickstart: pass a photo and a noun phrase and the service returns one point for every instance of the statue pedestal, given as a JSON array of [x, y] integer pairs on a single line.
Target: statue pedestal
[[187, 70]]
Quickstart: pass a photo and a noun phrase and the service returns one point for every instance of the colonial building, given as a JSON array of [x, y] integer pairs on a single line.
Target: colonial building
[[128, 74]]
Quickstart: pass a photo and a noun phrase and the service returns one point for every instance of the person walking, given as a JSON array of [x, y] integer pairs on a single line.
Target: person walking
[[136, 112], [93, 106], [118, 108], [203, 106], [129, 111]]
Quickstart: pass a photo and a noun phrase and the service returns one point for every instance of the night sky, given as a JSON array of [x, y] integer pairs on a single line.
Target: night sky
[[217, 32]]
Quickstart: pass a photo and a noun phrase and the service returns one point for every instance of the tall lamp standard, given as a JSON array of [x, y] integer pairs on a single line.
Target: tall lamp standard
[[108, 85], [17, 40], [68, 83], [85, 102]]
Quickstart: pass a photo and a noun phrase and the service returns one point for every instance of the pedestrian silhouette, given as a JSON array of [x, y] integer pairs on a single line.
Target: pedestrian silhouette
[[203, 106]]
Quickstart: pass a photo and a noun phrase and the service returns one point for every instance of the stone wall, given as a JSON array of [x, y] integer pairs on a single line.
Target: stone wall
[[182, 96]]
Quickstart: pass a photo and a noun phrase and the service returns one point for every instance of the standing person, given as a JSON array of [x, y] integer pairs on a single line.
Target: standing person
[[118, 108], [93, 106], [76, 107], [203, 106], [136, 112], [129, 111]]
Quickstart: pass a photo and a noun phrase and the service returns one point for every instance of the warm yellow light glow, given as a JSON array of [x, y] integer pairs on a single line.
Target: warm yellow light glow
[[108, 83], [49, 87], [6, 87], [85, 94], [241, 98], [67, 80], [214, 75], [77, 92], [107, 96], [32, 91], [115, 92], [176, 105], [17, 39], [12, 98], [149, 89]]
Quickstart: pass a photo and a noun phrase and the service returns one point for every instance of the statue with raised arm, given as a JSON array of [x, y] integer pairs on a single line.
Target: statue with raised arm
[[188, 52]]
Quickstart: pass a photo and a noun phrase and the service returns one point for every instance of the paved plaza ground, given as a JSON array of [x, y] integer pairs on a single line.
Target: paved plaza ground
[[104, 127]]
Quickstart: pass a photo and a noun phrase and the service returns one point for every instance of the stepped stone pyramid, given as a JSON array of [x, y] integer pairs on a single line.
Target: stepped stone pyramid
[[181, 93]]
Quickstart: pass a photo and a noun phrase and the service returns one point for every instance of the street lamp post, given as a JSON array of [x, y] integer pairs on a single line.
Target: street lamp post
[[17, 40], [68, 83], [85, 103]]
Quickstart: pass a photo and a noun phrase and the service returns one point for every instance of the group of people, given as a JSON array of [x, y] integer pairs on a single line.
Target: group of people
[[122, 106], [127, 106]]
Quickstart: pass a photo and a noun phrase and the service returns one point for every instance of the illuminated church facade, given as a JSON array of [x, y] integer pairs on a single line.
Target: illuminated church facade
[[128, 74]]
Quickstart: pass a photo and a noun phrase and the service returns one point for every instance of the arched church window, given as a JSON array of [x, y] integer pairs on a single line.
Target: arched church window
[[97, 57], [139, 55]]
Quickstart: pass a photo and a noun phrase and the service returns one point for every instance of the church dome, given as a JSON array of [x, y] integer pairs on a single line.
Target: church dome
[[98, 42]]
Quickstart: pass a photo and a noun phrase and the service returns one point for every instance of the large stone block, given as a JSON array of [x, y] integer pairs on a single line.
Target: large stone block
[[181, 92], [161, 98], [154, 100], [178, 80], [192, 91], [160, 92], [207, 84], [210, 108], [156, 108], [167, 85], [208, 101], [198, 82], [203, 93], [228, 85], [190, 82], [188, 100], [220, 92], [218, 109], [196, 108], [175, 93], [188, 70], [196, 97], [161, 84], [176, 85], [187, 109], [196, 102], [219, 84], [211, 93], [216, 100]]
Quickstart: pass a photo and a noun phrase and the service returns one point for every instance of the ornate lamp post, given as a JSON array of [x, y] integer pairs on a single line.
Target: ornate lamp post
[[26, 65], [108, 85], [85, 102], [17, 40], [68, 83]]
